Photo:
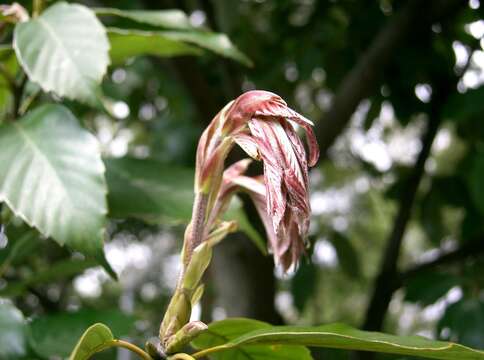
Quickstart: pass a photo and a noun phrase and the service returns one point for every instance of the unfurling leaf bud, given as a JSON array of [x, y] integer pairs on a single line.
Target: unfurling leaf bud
[[184, 336]]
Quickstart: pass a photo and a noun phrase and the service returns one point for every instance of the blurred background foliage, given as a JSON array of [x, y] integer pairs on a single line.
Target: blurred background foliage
[[396, 91]]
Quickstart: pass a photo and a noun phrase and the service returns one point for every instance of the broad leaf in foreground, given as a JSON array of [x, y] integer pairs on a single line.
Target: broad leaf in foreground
[[12, 331], [95, 339], [56, 335], [52, 176], [221, 332], [64, 50], [340, 336]]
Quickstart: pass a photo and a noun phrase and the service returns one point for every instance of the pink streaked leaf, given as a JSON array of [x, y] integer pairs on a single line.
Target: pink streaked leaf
[[247, 143]]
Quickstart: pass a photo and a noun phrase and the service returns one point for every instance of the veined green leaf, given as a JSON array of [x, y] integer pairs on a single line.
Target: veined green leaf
[[170, 19], [64, 50], [52, 176], [224, 331], [340, 336], [129, 43]]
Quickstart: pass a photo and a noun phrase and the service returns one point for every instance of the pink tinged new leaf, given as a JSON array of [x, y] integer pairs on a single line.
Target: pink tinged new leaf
[[247, 143]]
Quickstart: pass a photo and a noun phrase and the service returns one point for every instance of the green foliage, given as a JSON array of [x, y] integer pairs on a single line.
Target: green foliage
[[149, 190], [64, 50], [95, 338], [57, 335], [156, 192], [52, 176], [170, 19], [228, 330], [429, 287], [128, 43], [12, 332], [341, 336], [463, 321], [476, 179]]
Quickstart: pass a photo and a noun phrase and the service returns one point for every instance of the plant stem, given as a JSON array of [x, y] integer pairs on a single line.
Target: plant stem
[[133, 348], [37, 7], [195, 235], [211, 350]]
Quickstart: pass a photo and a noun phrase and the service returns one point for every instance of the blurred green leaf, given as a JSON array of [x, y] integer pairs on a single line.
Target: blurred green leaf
[[95, 338], [218, 43], [429, 287], [156, 192], [170, 19], [236, 212], [57, 335], [221, 332], [52, 176], [347, 256], [463, 106], [463, 321], [12, 332], [60, 270], [126, 43], [476, 179], [304, 283], [129, 43], [64, 50], [341, 336], [17, 249], [149, 190]]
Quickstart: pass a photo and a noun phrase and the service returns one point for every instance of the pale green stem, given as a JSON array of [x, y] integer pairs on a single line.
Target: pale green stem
[[126, 345], [211, 350], [37, 7]]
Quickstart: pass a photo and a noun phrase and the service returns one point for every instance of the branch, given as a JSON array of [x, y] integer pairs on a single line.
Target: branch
[[471, 249], [416, 16]]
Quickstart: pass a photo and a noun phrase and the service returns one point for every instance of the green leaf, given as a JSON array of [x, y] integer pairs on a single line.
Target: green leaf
[[56, 335], [347, 255], [464, 322], [427, 288], [17, 249], [60, 270], [236, 212], [224, 331], [96, 338], [126, 43], [170, 19], [464, 106], [149, 190], [304, 284], [156, 192], [12, 332], [340, 336], [218, 43], [129, 43], [476, 179], [64, 50], [52, 176]]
